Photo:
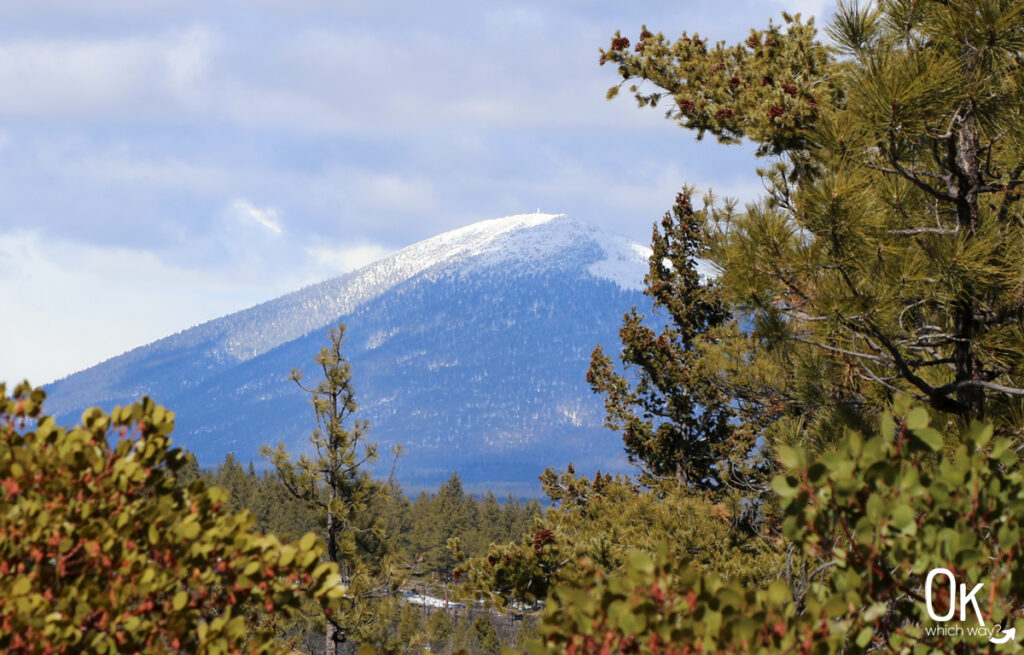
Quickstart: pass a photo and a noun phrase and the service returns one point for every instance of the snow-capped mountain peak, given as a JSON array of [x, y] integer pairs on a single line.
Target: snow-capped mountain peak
[[528, 239], [522, 244], [470, 347]]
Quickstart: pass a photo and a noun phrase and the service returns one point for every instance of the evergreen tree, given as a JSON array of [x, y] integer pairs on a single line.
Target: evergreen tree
[[439, 630], [335, 482], [673, 420], [241, 487], [455, 514], [448, 516], [484, 637], [491, 524], [887, 254]]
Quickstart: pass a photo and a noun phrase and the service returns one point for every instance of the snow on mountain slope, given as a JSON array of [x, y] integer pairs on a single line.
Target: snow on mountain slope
[[526, 242]]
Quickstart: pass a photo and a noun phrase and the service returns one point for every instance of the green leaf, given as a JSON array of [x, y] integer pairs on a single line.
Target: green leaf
[[917, 418], [641, 562], [21, 586], [981, 433], [779, 593], [190, 530], [969, 557], [903, 519], [1008, 537], [789, 457], [874, 612], [930, 437], [785, 486], [308, 541], [864, 637]]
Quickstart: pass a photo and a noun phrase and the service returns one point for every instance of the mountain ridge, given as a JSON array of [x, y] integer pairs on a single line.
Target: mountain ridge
[[486, 329]]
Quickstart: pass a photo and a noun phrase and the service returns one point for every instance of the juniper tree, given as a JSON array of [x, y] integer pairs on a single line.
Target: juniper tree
[[335, 482], [887, 255], [674, 423]]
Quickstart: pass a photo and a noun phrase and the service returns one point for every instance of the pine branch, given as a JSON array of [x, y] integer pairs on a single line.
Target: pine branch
[[841, 351], [939, 400], [867, 374], [908, 175]]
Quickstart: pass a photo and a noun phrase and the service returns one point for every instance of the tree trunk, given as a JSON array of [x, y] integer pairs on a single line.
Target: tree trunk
[[968, 174], [332, 644]]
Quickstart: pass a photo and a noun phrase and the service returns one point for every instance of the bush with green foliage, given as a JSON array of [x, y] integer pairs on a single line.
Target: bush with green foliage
[[102, 551], [878, 513], [601, 520]]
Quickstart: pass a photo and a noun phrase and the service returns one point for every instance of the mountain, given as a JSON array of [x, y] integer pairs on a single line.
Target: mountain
[[469, 348]]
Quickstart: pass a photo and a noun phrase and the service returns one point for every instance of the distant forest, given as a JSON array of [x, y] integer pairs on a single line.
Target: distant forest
[[434, 533]]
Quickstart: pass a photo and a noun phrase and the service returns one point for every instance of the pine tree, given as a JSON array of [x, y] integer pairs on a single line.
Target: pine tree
[[490, 524], [335, 482], [884, 264], [887, 255], [484, 636], [439, 630], [232, 478], [448, 515]]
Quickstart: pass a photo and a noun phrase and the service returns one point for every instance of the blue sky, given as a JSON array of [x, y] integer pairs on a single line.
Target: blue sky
[[164, 162]]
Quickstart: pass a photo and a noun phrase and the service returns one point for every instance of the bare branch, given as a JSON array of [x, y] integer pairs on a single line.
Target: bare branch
[[842, 351], [924, 186], [868, 374], [991, 386]]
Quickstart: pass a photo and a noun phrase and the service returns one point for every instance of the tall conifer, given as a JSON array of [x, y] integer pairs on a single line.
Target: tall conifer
[[335, 482], [887, 255]]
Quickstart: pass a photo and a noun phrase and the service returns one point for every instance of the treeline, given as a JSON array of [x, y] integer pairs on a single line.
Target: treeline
[[433, 532]]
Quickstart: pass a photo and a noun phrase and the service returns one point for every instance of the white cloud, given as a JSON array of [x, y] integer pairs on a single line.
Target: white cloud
[[121, 167], [78, 305], [343, 259], [267, 217], [186, 60], [131, 76], [390, 191]]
